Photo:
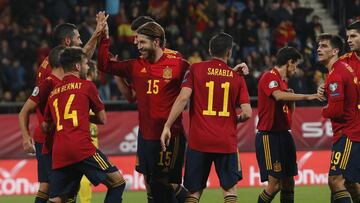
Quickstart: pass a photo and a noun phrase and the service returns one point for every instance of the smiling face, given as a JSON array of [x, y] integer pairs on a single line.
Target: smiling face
[[146, 46], [353, 39]]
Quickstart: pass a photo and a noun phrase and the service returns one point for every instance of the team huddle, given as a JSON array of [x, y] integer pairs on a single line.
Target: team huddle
[[68, 107]]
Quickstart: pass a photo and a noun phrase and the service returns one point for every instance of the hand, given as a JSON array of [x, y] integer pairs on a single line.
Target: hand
[[165, 137], [28, 145], [315, 96], [321, 89], [290, 90], [241, 69], [101, 23], [113, 57]]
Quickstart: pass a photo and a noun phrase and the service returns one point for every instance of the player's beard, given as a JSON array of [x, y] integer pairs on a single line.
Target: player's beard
[[148, 54]]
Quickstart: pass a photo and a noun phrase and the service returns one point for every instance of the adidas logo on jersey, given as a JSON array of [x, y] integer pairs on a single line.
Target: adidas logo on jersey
[[129, 144]]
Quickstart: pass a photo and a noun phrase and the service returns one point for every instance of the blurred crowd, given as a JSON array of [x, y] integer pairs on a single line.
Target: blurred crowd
[[259, 28]]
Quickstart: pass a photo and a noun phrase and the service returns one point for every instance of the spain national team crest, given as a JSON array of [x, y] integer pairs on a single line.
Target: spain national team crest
[[167, 73]]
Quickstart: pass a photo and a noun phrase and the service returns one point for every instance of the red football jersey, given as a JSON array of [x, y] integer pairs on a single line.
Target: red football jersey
[[342, 91], [40, 96], [157, 86], [353, 61], [43, 71], [273, 115], [69, 104], [217, 91]]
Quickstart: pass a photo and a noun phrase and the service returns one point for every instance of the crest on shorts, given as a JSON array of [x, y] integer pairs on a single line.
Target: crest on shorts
[[273, 84], [35, 91], [333, 86], [167, 73], [277, 166]]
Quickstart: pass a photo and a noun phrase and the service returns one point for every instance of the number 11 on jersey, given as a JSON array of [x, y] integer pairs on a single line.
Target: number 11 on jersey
[[209, 111]]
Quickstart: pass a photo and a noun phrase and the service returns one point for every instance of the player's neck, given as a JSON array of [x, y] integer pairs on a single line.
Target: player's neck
[[58, 72], [157, 55], [330, 63], [282, 72], [76, 74], [221, 59]]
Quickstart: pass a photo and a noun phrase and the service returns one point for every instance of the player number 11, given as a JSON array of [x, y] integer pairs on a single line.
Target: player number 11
[[209, 111]]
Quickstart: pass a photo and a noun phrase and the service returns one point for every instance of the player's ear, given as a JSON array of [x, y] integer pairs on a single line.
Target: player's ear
[[67, 41], [77, 67]]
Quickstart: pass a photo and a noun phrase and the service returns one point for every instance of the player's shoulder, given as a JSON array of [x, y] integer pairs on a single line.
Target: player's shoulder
[[270, 74], [346, 56], [172, 52], [342, 67], [45, 63]]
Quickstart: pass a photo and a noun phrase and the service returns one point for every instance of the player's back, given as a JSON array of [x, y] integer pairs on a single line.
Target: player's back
[[217, 91], [70, 103]]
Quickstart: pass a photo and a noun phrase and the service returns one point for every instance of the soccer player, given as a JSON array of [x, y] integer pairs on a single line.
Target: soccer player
[[37, 101], [73, 153], [275, 148], [122, 84], [85, 192], [353, 59], [214, 91], [342, 91], [156, 77]]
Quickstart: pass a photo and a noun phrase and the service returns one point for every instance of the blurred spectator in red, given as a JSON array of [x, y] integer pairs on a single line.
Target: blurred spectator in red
[[284, 33], [42, 52]]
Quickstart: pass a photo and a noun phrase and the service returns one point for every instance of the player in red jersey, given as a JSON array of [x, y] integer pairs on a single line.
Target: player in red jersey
[[214, 91], [73, 153], [37, 101], [275, 148], [353, 39], [67, 34], [156, 77], [125, 88], [342, 91]]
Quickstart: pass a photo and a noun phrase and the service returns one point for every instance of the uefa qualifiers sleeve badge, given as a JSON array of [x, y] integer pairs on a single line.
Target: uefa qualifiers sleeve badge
[[35, 91], [273, 84], [333, 86]]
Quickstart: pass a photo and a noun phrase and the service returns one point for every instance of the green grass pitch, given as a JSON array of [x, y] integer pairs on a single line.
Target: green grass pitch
[[303, 194]]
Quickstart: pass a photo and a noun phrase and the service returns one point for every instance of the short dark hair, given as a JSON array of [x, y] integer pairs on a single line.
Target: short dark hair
[[62, 31], [335, 41], [139, 21], [285, 54], [220, 44], [354, 26], [70, 57], [153, 30], [54, 56]]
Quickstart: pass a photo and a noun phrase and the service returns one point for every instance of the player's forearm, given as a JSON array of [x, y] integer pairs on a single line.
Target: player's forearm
[[177, 108], [288, 96], [90, 46], [125, 90], [24, 124], [103, 55], [245, 114]]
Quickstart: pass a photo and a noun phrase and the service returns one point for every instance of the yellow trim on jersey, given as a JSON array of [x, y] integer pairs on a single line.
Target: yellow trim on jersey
[[346, 154], [267, 152], [238, 160]]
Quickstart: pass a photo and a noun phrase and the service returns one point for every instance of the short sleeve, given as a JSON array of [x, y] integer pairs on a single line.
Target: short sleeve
[[188, 80], [269, 83], [334, 88], [41, 92]]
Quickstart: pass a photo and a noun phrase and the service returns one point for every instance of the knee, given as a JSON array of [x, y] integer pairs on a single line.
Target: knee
[[273, 187], [288, 184], [336, 183]]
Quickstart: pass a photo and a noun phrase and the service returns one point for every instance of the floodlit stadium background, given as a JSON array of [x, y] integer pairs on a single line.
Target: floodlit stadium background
[[259, 28]]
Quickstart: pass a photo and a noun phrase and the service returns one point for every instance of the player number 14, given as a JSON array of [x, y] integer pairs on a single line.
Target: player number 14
[[209, 111], [67, 114]]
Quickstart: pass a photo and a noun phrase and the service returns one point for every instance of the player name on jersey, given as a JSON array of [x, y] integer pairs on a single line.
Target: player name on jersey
[[69, 86], [220, 72]]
